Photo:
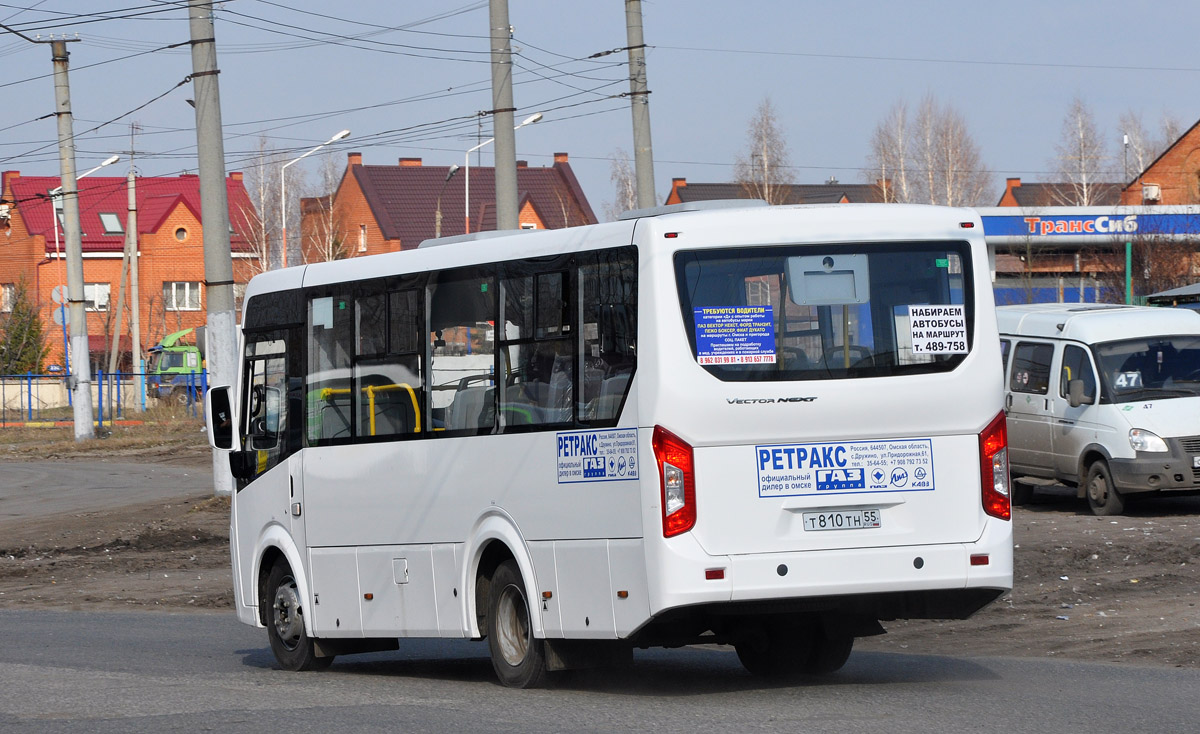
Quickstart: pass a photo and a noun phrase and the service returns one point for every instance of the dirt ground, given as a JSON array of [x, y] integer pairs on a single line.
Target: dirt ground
[[1121, 589]]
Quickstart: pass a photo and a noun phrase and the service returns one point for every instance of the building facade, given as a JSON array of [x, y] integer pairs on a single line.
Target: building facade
[[170, 262]]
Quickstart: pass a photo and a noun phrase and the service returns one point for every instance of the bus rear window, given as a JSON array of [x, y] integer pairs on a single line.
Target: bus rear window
[[809, 312]]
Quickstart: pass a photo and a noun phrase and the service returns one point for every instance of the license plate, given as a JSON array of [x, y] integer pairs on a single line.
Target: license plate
[[841, 520]]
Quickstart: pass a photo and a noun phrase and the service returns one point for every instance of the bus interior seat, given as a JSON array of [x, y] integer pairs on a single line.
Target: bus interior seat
[[470, 408], [859, 357]]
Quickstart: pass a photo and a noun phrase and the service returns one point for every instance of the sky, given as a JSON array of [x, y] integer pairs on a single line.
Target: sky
[[408, 79]]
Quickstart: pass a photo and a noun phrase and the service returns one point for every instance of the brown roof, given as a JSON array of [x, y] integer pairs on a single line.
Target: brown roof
[[404, 198], [1055, 194], [826, 193]]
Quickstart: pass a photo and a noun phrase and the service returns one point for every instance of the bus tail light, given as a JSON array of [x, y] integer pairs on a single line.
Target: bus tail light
[[993, 468], [677, 479]]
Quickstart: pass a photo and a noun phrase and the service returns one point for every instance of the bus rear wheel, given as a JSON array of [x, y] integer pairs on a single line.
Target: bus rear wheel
[[517, 656], [290, 642]]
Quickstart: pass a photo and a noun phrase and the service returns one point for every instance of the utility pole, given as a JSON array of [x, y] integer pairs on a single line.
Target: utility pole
[[129, 273], [639, 104], [80, 383], [502, 116], [220, 336]]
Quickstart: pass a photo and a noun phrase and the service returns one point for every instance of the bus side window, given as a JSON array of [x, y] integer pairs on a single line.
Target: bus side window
[[462, 318], [608, 301], [331, 336], [388, 390], [537, 350]]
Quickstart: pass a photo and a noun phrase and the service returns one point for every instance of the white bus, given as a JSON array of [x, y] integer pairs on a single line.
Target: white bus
[[769, 427]]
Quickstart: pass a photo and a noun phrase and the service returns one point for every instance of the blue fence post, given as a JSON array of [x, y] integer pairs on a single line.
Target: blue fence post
[[118, 412], [100, 395], [203, 388], [29, 377]]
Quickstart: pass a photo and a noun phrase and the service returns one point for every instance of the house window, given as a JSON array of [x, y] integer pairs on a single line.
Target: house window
[[528, 225], [362, 238], [112, 223], [95, 296], [239, 295], [181, 295], [8, 294], [181, 234]]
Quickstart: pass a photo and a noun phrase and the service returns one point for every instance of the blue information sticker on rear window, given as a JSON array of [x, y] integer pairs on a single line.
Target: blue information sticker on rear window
[[597, 456], [735, 335], [853, 467]]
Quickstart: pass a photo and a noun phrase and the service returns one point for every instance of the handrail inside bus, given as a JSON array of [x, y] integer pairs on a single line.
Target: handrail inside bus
[[370, 390]]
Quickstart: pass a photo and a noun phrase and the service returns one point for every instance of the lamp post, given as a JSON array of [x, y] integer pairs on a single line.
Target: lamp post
[[467, 173], [55, 206], [283, 188], [437, 216]]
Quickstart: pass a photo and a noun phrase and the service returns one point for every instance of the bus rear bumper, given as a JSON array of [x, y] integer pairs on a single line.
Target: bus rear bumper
[[950, 580]]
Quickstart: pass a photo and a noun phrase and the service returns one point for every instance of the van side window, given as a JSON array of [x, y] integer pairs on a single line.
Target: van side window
[[1031, 368], [1077, 366], [1005, 346]]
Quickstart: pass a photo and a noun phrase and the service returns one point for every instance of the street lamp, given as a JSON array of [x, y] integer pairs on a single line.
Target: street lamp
[[56, 195], [467, 173], [437, 217], [55, 206], [283, 187]]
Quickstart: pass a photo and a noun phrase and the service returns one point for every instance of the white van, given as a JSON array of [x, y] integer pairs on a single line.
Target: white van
[[1103, 397]]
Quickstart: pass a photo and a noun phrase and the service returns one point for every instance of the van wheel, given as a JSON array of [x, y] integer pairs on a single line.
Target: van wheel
[[292, 646], [1022, 493], [1102, 495], [517, 656]]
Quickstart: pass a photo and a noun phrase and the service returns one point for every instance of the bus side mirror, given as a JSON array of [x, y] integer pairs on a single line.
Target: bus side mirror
[[219, 417], [243, 464], [1075, 396]]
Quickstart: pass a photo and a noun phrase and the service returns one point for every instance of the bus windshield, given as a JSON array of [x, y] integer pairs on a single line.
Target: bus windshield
[[827, 311], [1151, 368]]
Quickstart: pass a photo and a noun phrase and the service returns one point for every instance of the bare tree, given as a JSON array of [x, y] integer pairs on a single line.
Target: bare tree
[[889, 157], [263, 185], [1081, 162], [931, 159], [764, 169], [620, 172], [1137, 149], [324, 236]]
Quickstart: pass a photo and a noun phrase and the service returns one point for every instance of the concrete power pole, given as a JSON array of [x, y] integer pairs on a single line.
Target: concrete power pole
[[80, 382], [502, 116], [639, 103], [220, 336]]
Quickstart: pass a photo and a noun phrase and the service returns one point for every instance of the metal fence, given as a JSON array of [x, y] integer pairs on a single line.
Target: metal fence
[[34, 398]]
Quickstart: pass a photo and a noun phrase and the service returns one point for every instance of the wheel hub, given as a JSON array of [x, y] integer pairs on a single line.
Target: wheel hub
[[287, 615]]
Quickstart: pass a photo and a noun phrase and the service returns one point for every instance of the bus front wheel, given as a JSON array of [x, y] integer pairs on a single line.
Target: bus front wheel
[[518, 657], [290, 642]]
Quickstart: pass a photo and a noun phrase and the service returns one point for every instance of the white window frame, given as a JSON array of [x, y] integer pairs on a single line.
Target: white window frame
[[182, 295], [107, 219], [8, 297], [97, 296]]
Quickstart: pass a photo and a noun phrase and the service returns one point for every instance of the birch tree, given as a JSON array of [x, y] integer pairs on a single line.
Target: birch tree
[[620, 172], [889, 157], [262, 179], [1080, 162], [764, 167], [931, 156], [324, 236]]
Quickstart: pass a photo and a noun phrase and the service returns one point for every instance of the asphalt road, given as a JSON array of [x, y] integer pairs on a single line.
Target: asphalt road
[[141, 672], [30, 489]]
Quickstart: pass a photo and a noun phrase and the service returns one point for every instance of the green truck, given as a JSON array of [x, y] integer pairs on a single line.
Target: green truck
[[175, 366]]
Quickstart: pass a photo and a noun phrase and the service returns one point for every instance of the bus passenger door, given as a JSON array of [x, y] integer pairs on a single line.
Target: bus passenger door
[[270, 430]]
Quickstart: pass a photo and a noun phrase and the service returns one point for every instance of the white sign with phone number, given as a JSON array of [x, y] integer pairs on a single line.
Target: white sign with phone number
[[940, 329]]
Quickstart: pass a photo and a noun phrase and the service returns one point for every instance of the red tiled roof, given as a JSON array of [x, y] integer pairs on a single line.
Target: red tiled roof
[[1061, 194], [404, 199], [157, 197], [826, 193]]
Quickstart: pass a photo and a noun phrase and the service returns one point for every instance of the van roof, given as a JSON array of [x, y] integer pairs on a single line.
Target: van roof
[[1094, 322]]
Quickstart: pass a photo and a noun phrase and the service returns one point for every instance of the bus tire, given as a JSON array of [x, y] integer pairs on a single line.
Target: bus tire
[[518, 657], [291, 644], [1102, 496]]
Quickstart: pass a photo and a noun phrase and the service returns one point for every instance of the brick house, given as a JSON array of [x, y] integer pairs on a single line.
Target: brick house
[[830, 192], [1171, 179], [377, 209], [170, 247]]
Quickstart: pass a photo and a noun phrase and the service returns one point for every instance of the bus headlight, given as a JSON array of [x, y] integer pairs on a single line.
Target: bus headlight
[[1142, 440]]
